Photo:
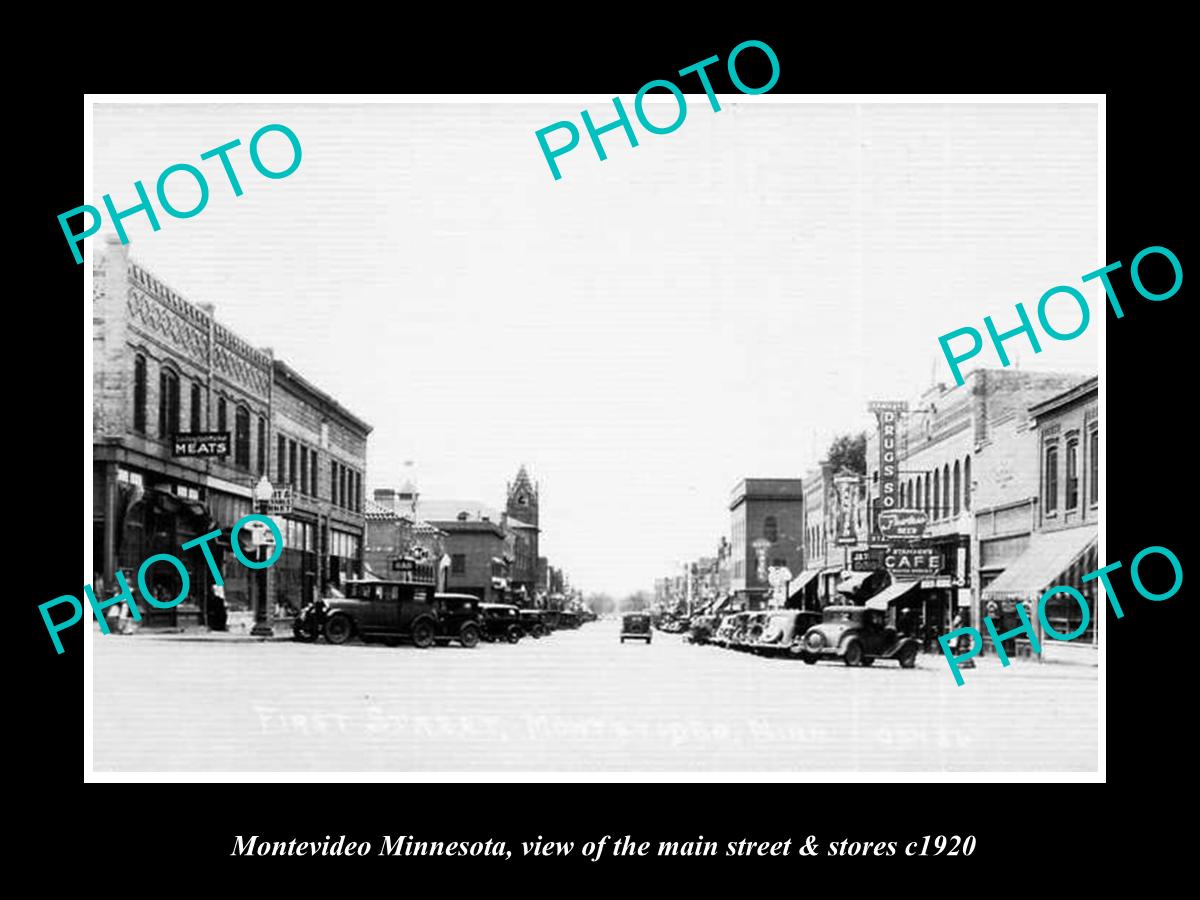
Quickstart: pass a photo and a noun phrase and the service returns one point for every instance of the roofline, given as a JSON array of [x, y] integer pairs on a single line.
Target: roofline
[[1068, 396], [283, 370]]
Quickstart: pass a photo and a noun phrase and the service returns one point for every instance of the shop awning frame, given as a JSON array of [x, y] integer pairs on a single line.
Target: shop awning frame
[[801, 581], [892, 593], [1049, 555]]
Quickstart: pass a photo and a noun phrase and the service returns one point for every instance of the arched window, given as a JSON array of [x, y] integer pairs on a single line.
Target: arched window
[[937, 492], [928, 495], [139, 394], [241, 438], [196, 407], [912, 498], [957, 487], [903, 488], [920, 495], [967, 483], [262, 446], [168, 402], [771, 529], [945, 490], [222, 415]]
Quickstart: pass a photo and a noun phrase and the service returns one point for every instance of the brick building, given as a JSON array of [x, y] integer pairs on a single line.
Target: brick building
[[1063, 517], [393, 533], [321, 459], [827, 563], [164, 366], [967, 459], [770, 510], [480, 552]]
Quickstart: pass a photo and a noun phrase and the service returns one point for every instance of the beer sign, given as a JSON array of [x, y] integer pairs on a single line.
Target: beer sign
[[902, 524]]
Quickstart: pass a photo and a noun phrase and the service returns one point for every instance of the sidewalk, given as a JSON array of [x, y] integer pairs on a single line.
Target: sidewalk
[[238, 631]]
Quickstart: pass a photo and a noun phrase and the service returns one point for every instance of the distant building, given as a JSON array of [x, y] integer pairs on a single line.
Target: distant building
[[395, 537], [771, 511]]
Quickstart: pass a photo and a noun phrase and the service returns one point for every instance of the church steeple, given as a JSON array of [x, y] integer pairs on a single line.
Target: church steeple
[[523, 498]]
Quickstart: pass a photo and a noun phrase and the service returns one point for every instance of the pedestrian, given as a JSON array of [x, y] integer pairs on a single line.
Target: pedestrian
[[962, 642], [218, 615]]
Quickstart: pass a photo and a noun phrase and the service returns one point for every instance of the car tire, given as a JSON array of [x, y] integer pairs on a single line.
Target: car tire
[[867, 660], [622, 640], [854, 654], [423, 633], [468, 635], [339, 629], [908, 658], [513, 635], [809, 660]]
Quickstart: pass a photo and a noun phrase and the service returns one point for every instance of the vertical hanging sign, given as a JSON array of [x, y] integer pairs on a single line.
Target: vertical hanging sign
[[887, 413]]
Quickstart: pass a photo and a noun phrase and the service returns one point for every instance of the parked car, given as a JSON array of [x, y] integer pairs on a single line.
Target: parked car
[[569, 619], [728, 627], [856, 635], [309, 623], [750, 630], [532, 622], [781, 628], [702, 628], [392, 610], [636, 627], [501, 622]]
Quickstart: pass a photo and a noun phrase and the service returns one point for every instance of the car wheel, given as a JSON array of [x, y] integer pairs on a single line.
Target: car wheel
[[908, 658], [514, 635], [867, 660], [423, 633], [539, 631], [810, 660], [468, 635], [854, 654], [305, 632], [622, 639], [339, 629]]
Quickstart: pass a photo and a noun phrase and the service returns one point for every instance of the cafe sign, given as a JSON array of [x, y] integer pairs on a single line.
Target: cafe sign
[[912, 562], [902, 524]]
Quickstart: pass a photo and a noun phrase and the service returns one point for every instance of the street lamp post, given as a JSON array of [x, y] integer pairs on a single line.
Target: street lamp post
[[263, 625]]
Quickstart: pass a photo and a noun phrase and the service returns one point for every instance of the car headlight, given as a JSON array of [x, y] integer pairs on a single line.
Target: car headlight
[[815, 641]]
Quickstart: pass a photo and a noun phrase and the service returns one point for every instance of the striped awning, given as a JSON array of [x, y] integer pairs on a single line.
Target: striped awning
[[1049, 555]]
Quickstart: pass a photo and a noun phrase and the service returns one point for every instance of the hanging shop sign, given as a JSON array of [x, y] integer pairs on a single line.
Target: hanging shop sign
[[887, 414], [845, 492]]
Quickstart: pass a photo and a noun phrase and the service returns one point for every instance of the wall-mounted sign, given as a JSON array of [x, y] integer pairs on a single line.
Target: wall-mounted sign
[[280, 503], [867, 560], [902, 524], [912, 562], [887, 414], [403, 564], [200, 443]]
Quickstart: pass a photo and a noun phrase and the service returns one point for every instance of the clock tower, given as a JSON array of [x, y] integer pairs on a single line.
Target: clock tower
[[522, 506]]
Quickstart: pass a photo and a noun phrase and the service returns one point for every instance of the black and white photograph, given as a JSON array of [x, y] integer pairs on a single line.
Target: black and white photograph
[[469, 435]]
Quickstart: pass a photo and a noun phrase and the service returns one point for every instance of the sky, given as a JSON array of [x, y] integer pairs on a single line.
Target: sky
[[716, 303]]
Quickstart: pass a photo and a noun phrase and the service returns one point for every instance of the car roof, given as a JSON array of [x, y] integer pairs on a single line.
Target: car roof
[[842, 608], [456, 597]]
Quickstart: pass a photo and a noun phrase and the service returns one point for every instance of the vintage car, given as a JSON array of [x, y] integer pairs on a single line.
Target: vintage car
[[730, 625], [701, 629], [856, 635], [569, 619], [532, 622], [391, 611], [501, 622], [751, 629], [636, 627], [781, 628]]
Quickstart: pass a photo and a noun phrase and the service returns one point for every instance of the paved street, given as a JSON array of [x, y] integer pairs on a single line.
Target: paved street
[[577, 701]]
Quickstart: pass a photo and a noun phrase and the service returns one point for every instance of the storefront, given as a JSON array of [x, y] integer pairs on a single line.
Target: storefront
[[1053, 558], [295, 578]]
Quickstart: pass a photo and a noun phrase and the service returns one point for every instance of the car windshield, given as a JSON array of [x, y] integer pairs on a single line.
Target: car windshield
[[840, 615]]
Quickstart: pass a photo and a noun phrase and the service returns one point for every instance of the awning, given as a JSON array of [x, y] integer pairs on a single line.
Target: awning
[[893, 592], [852, 582], [1049, 555], [800, 582]]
